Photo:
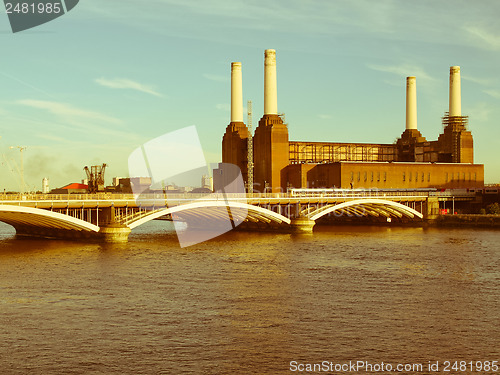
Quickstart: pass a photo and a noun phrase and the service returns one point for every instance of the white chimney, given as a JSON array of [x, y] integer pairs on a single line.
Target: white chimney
[[236, 93], [411, 103], [270, 84], [45, 186], [455, 92]]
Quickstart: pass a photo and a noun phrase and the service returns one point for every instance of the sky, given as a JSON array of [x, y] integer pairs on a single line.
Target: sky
[[93, 85]]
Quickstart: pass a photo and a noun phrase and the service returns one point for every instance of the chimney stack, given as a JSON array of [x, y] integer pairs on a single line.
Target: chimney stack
[[411, 103], [236, 93], [270, 84], [455, 92]]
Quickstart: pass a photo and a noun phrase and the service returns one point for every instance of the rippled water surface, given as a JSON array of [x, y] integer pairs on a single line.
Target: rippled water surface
[[248, 303]]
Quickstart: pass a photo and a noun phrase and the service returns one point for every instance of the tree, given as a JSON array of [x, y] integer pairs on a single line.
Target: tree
[[493, 209]]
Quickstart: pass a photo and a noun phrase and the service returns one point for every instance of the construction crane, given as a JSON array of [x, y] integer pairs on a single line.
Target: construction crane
[[250, 149], [95, 178]]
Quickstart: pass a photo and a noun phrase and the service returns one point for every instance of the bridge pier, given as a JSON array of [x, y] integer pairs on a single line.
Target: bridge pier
[[114, 233], [431, 211], [302, 225], [110, 230]]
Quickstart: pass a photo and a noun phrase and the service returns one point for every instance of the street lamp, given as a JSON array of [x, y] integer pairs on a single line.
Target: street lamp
[[21, 172]]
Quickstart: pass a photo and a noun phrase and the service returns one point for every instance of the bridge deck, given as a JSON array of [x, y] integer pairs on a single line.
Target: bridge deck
[[104, 200]]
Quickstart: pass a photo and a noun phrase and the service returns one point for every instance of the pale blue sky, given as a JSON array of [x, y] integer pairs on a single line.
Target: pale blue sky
[[96, 83]]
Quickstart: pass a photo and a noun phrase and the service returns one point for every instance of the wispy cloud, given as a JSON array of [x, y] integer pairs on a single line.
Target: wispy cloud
[[24, 83], [295, 16], [52, 137], [479, 81], [223, 107], [490, 40], [384, 19], [403, 70], [493, 93], [215, 77], [324, 117], [72, 125], [127, 84], [481, 113], [67, 111]]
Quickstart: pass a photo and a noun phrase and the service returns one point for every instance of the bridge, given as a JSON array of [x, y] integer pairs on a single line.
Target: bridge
[[111, 217]]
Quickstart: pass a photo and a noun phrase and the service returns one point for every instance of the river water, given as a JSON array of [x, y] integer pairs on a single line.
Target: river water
[[249, 303]]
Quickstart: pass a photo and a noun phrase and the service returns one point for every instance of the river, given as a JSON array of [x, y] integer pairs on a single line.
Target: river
[[249, 303]]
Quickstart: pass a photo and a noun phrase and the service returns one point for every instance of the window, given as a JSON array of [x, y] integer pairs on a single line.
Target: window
[[378, 176], [365, 175], [469, 176], [423, 176], [458, 176], [410, 176], [463, 176], [359, 176], [452, 174], [372, 176], [428, 177], [475, 176], [446, 177], [404, 176], [352, 176], [385, 176]]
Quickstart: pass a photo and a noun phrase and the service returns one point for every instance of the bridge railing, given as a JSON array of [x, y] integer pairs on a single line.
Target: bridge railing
[[114, 196], [219, 196], [63, 197]]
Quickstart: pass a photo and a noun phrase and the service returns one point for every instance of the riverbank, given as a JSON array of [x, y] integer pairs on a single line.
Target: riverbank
[[484, 221]]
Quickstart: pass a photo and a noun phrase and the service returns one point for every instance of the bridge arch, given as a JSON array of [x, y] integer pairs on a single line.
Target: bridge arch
[[378, 206], [239, 210], [19, 217]]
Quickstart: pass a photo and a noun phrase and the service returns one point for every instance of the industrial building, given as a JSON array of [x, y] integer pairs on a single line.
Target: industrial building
[[411, 162], [73, 188]]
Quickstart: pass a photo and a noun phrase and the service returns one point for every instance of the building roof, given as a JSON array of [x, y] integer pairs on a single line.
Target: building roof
[[75, 185]]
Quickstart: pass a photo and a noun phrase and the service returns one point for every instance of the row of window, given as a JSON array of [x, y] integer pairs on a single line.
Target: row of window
[[412, 176], [456, 176], [373, 176], [418, 177]]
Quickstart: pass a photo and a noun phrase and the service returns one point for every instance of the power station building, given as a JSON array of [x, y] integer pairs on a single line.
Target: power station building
[[411, 162]]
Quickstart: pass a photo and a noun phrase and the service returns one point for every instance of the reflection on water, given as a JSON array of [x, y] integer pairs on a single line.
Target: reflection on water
[[248, 302]]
